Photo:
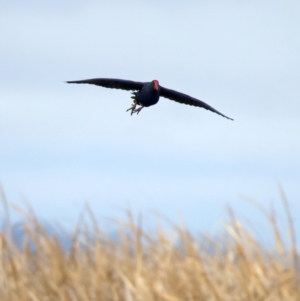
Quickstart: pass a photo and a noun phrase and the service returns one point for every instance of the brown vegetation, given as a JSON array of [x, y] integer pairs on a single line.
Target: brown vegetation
[[143, 266]]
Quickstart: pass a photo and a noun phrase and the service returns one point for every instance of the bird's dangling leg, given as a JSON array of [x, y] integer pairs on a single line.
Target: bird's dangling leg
[[138, 110], [132, 108]]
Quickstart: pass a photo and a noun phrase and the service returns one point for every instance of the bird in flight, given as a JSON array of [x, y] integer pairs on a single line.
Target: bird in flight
[[146, 94]]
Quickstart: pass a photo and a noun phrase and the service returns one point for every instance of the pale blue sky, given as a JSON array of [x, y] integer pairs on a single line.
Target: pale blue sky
[[63, 145]]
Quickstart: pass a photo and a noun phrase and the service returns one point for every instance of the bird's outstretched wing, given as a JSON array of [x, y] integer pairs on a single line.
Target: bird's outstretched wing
[[188, 100], [112, 83]]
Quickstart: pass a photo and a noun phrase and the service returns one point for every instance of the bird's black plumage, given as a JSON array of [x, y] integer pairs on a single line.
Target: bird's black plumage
[[112, 83], [188, 100], [144, 90]]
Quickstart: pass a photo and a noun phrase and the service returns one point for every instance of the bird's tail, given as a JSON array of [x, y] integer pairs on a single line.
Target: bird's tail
[[134, 94]]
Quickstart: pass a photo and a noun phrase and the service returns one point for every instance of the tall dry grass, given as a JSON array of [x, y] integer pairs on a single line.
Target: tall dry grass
[[148, 266]]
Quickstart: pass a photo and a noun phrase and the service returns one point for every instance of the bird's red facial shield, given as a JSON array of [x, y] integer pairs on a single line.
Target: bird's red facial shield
[[155, 84]]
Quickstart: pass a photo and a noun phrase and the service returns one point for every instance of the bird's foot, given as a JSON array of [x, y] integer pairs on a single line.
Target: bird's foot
[[138, 110], [132, 108]]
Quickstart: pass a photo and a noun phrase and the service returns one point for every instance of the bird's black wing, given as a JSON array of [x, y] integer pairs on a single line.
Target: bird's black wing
[[112, 83], [188, 100]]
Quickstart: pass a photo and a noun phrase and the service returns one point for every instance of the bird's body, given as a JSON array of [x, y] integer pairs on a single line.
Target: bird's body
[[147, 94]]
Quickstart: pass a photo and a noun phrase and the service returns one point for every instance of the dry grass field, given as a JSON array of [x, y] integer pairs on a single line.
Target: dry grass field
[[149, 266]]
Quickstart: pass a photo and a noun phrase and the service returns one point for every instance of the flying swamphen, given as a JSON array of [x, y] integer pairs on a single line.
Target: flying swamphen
[[146, 94]]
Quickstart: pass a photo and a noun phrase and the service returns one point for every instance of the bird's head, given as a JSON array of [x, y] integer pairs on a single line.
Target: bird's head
[[155, 84]]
